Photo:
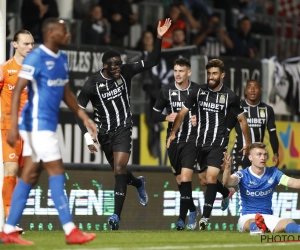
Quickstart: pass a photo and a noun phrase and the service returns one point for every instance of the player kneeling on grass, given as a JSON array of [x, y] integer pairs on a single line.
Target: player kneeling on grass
[[257, 184]]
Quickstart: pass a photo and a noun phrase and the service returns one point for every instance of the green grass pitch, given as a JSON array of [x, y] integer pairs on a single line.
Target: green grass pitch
[[157, 240]]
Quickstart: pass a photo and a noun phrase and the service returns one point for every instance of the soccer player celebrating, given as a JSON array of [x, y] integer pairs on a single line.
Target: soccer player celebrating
[[181, 152], [257, 184], [214, 101], [259, 117], [23, 43], [109, 93], [45, 73]]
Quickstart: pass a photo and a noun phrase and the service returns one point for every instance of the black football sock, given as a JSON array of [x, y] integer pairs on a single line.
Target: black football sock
[[222, 189], [185, 198], [210, 196], [120, 193], [131, 180]]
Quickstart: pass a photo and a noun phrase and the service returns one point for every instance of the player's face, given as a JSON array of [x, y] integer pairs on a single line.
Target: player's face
[[181, 74], [214, 77], [258, 157], [61, 35], [253, 91], [24, 44], [114, 67]]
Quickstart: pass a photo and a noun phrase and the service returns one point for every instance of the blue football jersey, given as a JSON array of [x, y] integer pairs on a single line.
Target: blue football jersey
[[256, 191], [48, 73]]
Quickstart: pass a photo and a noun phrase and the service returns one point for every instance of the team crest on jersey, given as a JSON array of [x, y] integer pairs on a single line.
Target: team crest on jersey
[[222, 99], [174, 94], [271, 180], [262, 113], [50, 64], [119, 81], [101, 85]]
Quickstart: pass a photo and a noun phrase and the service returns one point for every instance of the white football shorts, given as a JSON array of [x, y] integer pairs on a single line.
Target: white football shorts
[[270, 220], [41, 145]]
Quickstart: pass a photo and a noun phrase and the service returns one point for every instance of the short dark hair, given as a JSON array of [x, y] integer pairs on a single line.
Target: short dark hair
[[182, 62], [110, 54], [257, 145], [216, 63], [47, 24], [244, 18], [253, 80], [16, 36]]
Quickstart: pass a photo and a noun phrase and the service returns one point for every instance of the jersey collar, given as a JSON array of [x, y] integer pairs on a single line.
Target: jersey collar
[[251, 105], [49, 52], [257, 176]]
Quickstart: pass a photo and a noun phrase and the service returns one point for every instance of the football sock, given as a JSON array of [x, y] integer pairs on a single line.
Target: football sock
[[131, 180], [210, 196], [56, 185], [185, 198], [120, 193], [68, 227], [9, 183], [18, 202], [292, 228], [222, 189], [253, 226]]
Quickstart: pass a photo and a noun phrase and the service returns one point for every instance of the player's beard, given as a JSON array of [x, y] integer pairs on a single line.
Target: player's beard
[[214, 85]]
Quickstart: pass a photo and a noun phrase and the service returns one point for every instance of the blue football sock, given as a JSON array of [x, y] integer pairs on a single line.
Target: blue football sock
[[56, 184], [18, 202], [253, 226], [292, 228]]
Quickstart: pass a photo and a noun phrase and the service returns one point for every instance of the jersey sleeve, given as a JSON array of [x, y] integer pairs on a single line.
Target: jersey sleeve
[[236, 106], [278, 174], [85, 94], [239, 174], [161, 102], [31, 66], [192, 99], [231, 120]]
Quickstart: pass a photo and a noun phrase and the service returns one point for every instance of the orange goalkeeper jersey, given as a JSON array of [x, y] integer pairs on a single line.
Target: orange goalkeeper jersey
[[9, 72]]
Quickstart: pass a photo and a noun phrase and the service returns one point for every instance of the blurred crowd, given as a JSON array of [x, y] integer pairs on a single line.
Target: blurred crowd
[[194, 22]]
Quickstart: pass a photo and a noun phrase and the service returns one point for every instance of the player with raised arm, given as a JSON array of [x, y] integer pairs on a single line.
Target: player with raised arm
[[259, 117], [109, 93], [214, 101], [181, 152], [45, 74], [23, 44], [257, 184]]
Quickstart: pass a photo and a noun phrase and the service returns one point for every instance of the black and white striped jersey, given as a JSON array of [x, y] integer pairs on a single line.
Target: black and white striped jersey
[[172, 98], [110, 98], [213, 109], [259, 117]]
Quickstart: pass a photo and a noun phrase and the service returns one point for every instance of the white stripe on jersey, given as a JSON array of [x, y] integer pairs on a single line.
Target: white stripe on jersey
[[117, 112], [105, 109], [206, 128], [124, 109], [35, 101], [199, 122], [215, 129], [190, 126]]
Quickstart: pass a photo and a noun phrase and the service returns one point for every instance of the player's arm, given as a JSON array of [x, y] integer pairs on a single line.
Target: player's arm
[[13, 133], [229, 180], [159, 106], [289, 182], [72, 103], [271, 126], [154, 56], [177, 123]]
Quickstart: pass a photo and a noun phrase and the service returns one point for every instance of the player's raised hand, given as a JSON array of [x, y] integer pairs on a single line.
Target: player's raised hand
[[12, 136], [161, 30], [226, 161]]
